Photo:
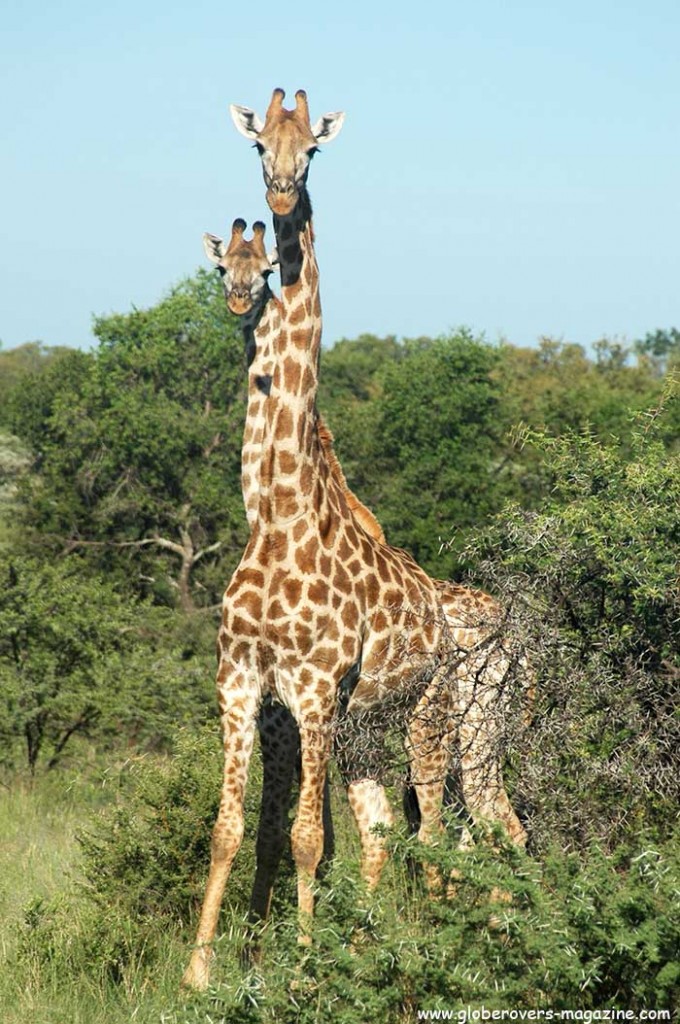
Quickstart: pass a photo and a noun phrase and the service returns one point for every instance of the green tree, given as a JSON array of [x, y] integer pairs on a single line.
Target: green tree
[[18, 363], [662, 347], [138, 443], [437, 466]]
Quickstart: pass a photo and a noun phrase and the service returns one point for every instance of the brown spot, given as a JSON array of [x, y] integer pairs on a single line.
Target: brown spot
[[301, 339], [292, 590], [384, 570], [330, 630], [379, 621], [263, 555], [276, 610], [241, 626], [325, 565], [292, 373], [287, 463], [372, 589], [352, 536], [277, 581], [317, 592], [306, 478], [349, 647], [305, 556], [350, 615], [251, 602], [354, 567], [367, 552], [285, 424], [341, 580], [278, 539], [286, 499], [344, 550], [303, 638], [325, 657], [286, 642], [299, 530]]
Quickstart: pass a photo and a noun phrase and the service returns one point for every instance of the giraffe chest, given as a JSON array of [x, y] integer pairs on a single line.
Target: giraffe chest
[[291, 615]]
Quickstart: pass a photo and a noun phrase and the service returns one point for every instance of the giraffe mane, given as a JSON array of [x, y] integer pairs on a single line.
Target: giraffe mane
[[363, 515]]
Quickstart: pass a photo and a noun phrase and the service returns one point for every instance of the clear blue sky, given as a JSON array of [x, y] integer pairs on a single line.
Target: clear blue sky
[[509, 166]]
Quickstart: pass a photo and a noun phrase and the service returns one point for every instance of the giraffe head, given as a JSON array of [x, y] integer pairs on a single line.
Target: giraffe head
[[286, 142], [244, 266]]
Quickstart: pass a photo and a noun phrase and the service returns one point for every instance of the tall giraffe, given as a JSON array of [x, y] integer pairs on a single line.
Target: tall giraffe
[[316, 602], [245, 267], [286, 142]]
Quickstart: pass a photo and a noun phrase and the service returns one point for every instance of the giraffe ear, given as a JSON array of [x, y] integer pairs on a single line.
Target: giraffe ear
[[328, 126], [215, 248], [246, 120]]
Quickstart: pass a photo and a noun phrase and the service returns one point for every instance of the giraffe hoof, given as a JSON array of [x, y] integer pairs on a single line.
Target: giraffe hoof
[[197, 975]]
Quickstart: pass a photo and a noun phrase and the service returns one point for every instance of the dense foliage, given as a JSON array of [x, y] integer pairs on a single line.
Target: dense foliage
[[591, 582]]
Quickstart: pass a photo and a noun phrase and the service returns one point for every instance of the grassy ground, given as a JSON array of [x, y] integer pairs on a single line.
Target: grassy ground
[[39, 859]]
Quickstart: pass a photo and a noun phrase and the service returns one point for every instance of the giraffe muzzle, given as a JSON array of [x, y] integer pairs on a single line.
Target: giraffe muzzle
[[239, 302], [282, 196]]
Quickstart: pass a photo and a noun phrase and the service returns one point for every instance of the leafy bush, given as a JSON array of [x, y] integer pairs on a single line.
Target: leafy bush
[[592, 585]]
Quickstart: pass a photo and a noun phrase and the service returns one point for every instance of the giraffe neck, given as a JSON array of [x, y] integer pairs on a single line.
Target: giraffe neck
[[290, 452], [260, 328]]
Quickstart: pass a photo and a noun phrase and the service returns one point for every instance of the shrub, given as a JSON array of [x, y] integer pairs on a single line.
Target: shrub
[[591, 583]]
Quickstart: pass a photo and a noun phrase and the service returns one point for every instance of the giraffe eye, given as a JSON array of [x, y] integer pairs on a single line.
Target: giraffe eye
[[221, 271], [260, 148]]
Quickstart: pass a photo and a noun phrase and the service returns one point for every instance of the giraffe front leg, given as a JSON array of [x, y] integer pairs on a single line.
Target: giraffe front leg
[[238, 727], [308, 830]]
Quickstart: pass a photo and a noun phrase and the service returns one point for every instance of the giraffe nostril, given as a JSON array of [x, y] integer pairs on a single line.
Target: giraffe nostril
[[283, 187]]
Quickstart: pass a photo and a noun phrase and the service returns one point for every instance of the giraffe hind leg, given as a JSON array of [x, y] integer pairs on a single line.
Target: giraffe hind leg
[[428, 745], [359, 754], [279, 746], [480, 714]]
